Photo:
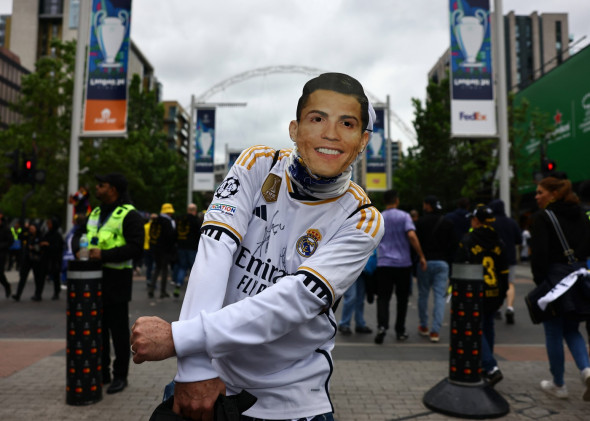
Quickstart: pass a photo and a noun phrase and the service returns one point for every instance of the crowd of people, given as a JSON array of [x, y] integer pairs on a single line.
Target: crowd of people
[[287, 235], [424, 246], [42, 248]]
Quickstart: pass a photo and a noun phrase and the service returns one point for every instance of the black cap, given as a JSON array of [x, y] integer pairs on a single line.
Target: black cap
[[432, 200], [483, 213], [116, 180]]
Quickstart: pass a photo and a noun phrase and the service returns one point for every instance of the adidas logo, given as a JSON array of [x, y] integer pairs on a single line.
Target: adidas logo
[[260, 212]]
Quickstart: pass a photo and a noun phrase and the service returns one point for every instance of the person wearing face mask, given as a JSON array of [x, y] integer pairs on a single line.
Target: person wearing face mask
[[286, 234], [557, 196]]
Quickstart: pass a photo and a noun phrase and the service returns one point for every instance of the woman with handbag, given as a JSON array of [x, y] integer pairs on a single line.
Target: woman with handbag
[[555, 197]]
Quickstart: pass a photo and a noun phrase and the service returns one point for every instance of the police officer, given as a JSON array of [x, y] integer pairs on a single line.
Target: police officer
[[115, 235]]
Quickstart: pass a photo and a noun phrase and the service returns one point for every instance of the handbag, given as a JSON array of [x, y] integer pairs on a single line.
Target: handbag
[[570, 299], [227, 408]]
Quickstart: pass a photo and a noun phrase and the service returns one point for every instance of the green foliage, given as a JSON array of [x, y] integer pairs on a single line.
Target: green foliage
[[527, 126], [156, 172], [439, 164], [46, 105]]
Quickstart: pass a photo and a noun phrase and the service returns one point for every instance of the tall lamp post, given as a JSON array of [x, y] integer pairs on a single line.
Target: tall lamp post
[[502, 106]]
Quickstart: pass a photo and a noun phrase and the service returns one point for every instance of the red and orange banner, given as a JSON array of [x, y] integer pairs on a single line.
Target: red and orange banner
[[105, 111]]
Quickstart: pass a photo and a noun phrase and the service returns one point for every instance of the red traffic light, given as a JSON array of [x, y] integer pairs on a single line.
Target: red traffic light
[[28, 164], [548, 167]]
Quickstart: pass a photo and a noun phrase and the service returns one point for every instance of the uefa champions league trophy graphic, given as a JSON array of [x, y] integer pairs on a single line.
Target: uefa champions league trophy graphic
[[469, 32], [206, 141], [376, 143], [110, 32]]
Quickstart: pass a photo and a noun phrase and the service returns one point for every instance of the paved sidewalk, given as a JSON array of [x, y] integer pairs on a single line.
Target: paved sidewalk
[[370, 382]]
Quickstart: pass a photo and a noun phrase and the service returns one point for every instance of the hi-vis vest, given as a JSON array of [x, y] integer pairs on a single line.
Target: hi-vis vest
[[110, 234]]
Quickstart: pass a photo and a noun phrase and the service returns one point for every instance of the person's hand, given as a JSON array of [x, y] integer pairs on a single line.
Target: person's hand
[[151, 340], [94, 253], [196, 400], [423, 264]]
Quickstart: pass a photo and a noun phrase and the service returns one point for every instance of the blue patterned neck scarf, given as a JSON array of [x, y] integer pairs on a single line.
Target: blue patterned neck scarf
[[314, 185]]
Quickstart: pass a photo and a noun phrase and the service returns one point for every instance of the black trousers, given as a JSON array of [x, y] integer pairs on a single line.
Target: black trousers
[[38, 274], [162, 259], [388, 278], [115, 326], [3, 279]]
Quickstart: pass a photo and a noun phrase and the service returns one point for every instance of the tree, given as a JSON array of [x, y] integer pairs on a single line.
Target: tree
[[156, 172], [440, 164], [525, 126], [46, 105], [154, 169]]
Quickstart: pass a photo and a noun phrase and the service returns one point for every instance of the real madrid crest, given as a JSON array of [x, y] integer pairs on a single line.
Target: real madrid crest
[[270, 188], [308, 243]]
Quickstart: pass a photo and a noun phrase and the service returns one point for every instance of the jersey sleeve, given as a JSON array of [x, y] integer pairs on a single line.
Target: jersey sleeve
[[222, 231], [294, 300]]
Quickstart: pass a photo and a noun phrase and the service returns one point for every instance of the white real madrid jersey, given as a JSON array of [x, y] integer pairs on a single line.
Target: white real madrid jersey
[[271, 263]]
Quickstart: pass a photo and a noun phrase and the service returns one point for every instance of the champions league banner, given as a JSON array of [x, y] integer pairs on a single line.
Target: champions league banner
[[204, 150], [473, 111], [377, 155], [105, 111]]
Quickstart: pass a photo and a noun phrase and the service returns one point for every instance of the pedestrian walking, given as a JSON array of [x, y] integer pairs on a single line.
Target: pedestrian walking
[[52, 246], [31, 261], [353, 301], [394, 266], [511, 235], [460, 217], [482, 245], [188, 234], [163, 247], [437, 239], [115, 235], [557, 196], [15, 250], [6, 240]]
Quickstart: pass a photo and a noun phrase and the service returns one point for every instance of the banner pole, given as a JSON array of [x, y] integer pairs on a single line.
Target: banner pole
[[503, 145], [74, 164], [191, 152]]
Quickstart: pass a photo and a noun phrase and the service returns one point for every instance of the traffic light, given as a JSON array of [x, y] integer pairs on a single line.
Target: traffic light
[[548, 167], [29, 169], [13, 166]]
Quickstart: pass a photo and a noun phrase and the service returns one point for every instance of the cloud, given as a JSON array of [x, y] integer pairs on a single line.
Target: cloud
[[387, 45]]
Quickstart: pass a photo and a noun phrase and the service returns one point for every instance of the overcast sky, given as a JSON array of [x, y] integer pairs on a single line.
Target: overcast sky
[[389, 46]]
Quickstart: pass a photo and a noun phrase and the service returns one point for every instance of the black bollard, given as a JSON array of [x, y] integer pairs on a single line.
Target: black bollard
[[464, 394], [84, 335]]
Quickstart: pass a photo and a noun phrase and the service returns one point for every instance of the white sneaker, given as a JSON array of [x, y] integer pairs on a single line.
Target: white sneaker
[[549, 387], [586, 381]]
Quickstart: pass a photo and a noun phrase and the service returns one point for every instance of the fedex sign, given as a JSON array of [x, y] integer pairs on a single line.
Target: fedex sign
[[472, 116]]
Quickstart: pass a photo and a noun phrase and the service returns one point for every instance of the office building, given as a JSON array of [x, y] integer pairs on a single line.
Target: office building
[[176, 127], [11, 73]]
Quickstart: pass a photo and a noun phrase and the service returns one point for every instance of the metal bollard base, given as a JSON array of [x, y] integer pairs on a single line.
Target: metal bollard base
[[478, 401]]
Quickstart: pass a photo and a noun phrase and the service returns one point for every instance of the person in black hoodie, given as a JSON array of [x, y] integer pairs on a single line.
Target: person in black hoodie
[[484, 245], [31, 259], [510, 233], [438, 241], [52, 245]]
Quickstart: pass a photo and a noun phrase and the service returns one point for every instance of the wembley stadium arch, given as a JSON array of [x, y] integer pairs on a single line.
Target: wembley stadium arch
[[201, 101], [289, 69]]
